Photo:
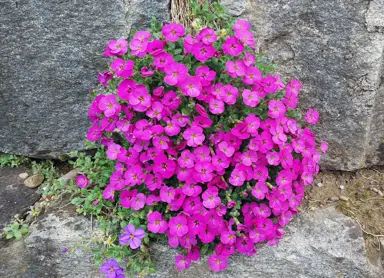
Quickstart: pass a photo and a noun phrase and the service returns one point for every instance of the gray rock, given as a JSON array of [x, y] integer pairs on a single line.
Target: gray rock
[[319, 244], [336, 49], [34, 181], [23, 176], [40, 254], [15, 198], [49, 60]]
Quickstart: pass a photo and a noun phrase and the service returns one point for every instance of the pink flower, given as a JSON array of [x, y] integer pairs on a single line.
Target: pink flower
[[276, 109], [176, 74], [104, 78], [145, 72], [109, 105], [246, 37], [94, 133], [182, 262], [203, 52], [172, 32], [218, 262], [236, 68], [208, 36], [142, 36], [273, 158], [164, 166], [249, 59], [113, 150], [116, 48], [138, 201], [250, 98], [228, 237], [178, 226], [156, 223], [161, 142], [82, 181], [191, 86], [312, 116], [194, 136], [138, 48], [216, 106], [324, 147], [126, 88], [155, 112], [241, 25], [252, 76], [203, 171], [206, 75], [226, 148], [211, 198], [122, 68], [132, 236], [259, 190], [269, 84], [163, 60], [233, 47], [140, 99], [237, 177]]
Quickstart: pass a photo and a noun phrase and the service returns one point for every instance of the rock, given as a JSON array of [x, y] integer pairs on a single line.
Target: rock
[[344, 198], [49, 60], [69, 176], [319, 244], [380, 193], [15, 198], [336, 48], [334, 198], [23, 176], [34, 181], [40, 253]]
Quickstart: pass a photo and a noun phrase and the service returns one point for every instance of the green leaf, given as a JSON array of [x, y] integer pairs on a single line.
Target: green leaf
[[77, 201], [18, 235]]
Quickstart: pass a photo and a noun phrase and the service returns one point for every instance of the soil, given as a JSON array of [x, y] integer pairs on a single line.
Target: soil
[[360, 196]]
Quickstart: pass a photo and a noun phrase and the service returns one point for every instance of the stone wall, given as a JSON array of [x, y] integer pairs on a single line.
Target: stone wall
[[48, 63], [49, 60], [336, 49]]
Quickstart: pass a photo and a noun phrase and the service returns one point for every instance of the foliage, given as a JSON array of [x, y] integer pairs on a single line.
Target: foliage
[[201, 145], [12, 160], [15, 230]]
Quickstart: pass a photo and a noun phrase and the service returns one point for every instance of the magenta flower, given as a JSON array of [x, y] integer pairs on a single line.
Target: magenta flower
[[194, 136], [233, 47], [259, 190], [140, 99], [104, 78], [132, 236], [176, 74], [164, 166], [191, 86], [122, 68], [109, 105], [249, 59], [203, 52], [211, 198], [237, 177], [228, 237], [94, 133], [138, 48], [116, 48], [216, 106], [247, 38], [276, 109], [82, 181], [178, 226], [236, 69], [206, 75], [225, 148], [156, 223], [145, 72], [218, 262], [138, 202], [155, 112], [182, 262], [208, 36], [113, 150], [252, 76], [241, 25], [172, 32], [324, 147], [312, 116], [250, 98], [112, 269]]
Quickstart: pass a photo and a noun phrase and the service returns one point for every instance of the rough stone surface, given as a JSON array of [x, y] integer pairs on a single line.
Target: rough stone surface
[[39, 255], [23, 176], [15, 198], [336, 48], [317, 244], [48, 62], [34, 181]]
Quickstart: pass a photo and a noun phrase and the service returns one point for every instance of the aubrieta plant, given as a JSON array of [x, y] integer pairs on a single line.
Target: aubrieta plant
[[203, 139]]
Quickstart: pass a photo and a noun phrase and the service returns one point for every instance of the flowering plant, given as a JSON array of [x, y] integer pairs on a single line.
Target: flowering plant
[[204, 140]]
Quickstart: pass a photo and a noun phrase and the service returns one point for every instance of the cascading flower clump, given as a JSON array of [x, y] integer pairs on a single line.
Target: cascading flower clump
[[205, 141]]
